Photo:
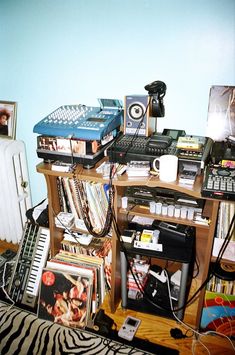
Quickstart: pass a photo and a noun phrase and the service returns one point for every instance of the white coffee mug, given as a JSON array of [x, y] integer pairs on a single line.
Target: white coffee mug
[[168, 167]]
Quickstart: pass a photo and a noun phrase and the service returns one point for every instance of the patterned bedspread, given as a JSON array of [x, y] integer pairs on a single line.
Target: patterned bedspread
[[22, 333]]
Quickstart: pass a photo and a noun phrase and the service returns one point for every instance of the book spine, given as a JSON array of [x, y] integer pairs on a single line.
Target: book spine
[[221, 286]]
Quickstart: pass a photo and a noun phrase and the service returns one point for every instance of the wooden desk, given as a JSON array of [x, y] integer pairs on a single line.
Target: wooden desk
[[204, 233]]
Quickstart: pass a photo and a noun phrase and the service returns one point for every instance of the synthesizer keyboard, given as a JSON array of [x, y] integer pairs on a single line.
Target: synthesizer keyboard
[[219, 183], [81, 122], [31, 258]]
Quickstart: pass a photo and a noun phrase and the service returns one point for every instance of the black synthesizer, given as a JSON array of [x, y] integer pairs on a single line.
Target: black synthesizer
[[127, 148], [219, 183], [30, 260]]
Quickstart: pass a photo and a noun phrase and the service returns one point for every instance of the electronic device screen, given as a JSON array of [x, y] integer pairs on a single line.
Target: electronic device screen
[[174, 133], [109, 103], [96, 119], [132, 322]]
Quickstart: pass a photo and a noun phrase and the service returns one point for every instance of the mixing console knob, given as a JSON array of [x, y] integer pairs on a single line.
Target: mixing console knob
[[17, 282]]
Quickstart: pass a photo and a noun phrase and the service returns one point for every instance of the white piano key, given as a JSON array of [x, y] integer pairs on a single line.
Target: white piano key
[[39, 261]]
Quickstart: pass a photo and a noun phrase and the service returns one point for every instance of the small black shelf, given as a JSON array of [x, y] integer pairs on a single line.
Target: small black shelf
[[173, 251], [181, 252]]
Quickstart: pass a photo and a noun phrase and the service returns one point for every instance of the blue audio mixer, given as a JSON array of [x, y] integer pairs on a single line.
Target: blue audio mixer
[[82, 122]]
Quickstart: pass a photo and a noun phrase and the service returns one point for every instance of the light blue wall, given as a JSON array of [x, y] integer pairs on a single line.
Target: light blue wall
[[56, 52]]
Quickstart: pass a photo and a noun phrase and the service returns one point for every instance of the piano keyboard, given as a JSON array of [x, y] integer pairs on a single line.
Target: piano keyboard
[[31, 258]]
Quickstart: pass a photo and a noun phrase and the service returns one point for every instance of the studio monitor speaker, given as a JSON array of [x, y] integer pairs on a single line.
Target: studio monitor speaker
[[136, 115]]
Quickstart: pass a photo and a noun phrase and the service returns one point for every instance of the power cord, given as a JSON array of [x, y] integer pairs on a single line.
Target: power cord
[[137, 281], [218, 259], [196, 333], [141, 288], [84, 205], [4, 283], [177, 333]]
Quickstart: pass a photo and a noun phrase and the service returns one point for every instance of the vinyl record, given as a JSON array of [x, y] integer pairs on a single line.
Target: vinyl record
[[224, 271]]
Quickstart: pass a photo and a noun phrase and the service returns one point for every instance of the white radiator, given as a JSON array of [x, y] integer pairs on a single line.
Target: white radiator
[[15, 196]]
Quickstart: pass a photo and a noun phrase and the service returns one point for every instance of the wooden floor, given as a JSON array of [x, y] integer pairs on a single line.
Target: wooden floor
[[157, 329]]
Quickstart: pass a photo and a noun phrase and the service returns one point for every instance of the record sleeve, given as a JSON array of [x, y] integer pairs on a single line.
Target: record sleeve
[[65, 298]]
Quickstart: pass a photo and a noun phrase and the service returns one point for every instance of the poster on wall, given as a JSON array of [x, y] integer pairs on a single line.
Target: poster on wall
[[221, 113], [8, 119], [218, 313]]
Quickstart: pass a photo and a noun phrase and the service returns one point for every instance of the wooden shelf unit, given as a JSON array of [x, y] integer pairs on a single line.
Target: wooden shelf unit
[[204, 233]]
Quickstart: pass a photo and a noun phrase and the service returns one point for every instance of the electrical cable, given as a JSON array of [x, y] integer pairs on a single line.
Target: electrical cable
[[71, 149], [219, 257], [148, 297], [4, 283], [69, 231], [188, 326], [139, 285], [111, 217], [226, 240], [84, 205], [189, 301], [197, 267]]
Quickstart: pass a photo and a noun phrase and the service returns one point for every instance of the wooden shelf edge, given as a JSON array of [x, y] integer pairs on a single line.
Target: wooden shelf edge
[[225, 261], [124, 180], [136, 211]]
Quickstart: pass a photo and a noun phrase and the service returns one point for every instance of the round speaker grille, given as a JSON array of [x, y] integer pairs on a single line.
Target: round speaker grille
[[136, 111]]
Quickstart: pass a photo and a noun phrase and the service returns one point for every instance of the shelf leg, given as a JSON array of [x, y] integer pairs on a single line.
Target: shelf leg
[[123, 279], [182, 292]]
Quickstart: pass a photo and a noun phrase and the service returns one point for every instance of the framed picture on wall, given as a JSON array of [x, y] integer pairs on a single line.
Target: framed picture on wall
[[8, 119], [221, 112]]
